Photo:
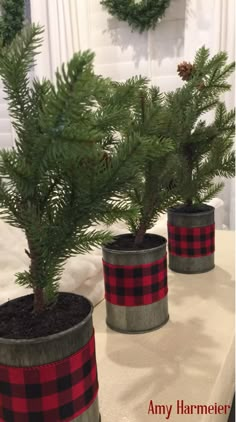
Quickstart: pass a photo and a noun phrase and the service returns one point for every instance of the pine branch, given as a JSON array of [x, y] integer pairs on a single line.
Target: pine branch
[[16, 62], [210, 193], [202, 150]]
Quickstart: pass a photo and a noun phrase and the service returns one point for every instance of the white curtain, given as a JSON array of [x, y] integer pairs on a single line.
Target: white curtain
[[224, 39], [66, 31]]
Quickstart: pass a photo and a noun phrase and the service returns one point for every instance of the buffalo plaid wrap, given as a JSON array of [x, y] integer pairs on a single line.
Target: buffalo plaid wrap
[[191, 242], [54, 392], [135, 285]]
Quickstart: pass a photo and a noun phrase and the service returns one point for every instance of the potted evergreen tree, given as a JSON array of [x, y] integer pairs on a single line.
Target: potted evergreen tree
[[135, 269], [203, 152], [55, 184]]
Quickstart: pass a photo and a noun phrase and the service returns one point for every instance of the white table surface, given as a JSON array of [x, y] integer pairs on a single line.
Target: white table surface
[[191, 358]]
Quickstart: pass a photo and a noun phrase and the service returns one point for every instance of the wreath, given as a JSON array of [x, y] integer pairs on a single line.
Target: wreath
[[140, 14]]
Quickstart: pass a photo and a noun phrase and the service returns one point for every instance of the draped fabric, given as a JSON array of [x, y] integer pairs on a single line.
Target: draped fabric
[[225, 29], [65, 23]]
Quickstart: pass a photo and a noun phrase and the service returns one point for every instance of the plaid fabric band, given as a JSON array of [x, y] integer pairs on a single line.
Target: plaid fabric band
[[58, 391], [191, 242], [135, 285]]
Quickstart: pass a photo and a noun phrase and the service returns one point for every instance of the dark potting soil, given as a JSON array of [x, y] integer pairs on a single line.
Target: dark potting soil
[[18, 321], [191, 209], [126, 242]]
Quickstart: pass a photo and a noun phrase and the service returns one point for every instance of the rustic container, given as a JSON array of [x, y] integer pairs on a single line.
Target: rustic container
[[48, 350], [191, 240], [141, 318]]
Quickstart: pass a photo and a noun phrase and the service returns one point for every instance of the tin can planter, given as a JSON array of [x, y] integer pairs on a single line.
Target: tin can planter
[[191, 239], [51, 378], [136, 289]]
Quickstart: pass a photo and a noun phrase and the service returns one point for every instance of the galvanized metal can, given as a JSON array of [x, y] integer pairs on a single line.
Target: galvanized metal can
[[50, 349], [142, 318], [202, 219]]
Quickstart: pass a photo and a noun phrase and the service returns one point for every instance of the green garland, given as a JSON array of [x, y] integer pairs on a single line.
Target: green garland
[[11, 19], [141, 15]]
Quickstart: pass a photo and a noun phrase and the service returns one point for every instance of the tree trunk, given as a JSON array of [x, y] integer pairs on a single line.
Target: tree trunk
[[189, 176], [140, 235], [39, 301]]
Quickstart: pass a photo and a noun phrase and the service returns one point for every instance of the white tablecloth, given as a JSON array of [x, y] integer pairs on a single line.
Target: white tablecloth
[[190, 359]]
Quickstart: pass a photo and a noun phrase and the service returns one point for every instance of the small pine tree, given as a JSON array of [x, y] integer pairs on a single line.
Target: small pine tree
[[56, 183], [11, 20], [203, 151], [153, 190]]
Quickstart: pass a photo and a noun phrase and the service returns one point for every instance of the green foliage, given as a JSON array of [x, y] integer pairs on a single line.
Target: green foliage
[[11, 19], [57, 182], [141, 16], [203, 150], [153, 190]]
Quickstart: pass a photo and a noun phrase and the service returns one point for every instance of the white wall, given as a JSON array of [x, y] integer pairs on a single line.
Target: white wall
[[121, 53]]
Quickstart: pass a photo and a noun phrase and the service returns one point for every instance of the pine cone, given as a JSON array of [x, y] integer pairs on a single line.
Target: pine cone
[[185, 70]]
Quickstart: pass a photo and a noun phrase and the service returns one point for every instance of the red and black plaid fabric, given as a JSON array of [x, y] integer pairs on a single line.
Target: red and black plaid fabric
[[191, 242], [135, 285], [54, 392]]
